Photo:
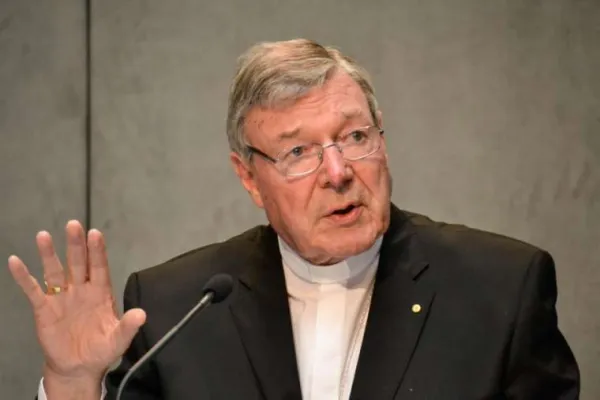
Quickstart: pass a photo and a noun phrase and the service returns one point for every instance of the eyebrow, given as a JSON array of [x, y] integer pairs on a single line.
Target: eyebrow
[[348, 114], [352, 113], [286, 135]]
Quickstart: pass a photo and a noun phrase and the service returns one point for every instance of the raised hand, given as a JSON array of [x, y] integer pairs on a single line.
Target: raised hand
[[76, 319]]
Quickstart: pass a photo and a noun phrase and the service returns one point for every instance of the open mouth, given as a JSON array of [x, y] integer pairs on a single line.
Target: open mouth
[[344, 211], [347, 215]]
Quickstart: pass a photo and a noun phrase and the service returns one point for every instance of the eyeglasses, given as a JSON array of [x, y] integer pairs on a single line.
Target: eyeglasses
[[304, 159]]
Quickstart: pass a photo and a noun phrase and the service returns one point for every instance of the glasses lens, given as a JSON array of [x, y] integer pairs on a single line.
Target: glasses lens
[[360, 143], [306, 158], [300, 160]]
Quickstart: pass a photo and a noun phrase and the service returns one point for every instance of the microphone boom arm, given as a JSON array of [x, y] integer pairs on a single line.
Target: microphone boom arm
[[205, 301]]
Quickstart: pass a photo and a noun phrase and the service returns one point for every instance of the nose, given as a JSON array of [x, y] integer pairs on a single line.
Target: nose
[[336, 171]]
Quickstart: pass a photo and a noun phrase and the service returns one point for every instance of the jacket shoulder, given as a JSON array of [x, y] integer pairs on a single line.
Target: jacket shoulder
[[454, 240], [184, 276], [469, 259], [470, 266]]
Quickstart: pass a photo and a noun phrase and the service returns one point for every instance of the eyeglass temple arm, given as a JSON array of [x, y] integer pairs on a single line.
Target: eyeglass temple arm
[[260, 153]]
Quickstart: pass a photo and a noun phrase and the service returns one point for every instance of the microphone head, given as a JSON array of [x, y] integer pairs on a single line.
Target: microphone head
[[220, 285]]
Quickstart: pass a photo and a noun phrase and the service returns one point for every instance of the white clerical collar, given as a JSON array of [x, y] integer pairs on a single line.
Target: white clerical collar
[[335, 273]]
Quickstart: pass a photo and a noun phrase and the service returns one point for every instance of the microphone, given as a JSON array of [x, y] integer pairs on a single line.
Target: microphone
[[216, 290]]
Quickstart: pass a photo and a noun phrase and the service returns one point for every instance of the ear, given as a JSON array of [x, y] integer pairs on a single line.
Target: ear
[[246, 175], [379, 117]]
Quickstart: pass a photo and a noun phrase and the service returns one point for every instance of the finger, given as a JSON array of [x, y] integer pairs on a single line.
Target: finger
[[76, 252], [99, 271], [129, 325], [54, 274], [28, 283]]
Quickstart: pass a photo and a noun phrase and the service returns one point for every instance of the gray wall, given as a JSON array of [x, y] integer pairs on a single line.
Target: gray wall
[[491, 111], [42, 159]]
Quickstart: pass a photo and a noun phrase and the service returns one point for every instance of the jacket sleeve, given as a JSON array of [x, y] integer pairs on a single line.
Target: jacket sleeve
[[541, 364], [145, 383]]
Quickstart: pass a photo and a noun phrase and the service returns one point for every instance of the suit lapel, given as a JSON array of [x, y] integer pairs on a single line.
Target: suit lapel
[[397, 316], [261, 314]]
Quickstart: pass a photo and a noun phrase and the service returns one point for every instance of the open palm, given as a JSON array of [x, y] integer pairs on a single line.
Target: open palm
[[76, 319]]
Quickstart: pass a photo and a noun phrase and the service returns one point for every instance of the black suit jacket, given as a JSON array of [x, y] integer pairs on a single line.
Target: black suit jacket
[[487, 328]]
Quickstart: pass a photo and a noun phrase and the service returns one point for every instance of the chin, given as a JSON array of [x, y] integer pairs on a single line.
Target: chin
[[344, 243], [328, 243]]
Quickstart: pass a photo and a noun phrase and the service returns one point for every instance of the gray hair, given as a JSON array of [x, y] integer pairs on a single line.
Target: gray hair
[[275, 74]]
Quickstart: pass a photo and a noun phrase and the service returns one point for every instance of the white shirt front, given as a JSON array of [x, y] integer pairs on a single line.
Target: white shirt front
[[328, 305]]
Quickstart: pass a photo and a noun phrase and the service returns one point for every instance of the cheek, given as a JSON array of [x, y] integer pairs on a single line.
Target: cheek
[[375, 177], [297, 197], [289, 199]]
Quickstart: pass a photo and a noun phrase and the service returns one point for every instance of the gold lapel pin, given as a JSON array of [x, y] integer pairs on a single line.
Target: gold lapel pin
[[416, 308]]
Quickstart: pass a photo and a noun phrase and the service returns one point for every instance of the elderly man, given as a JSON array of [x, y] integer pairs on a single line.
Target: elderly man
[[342, 295]]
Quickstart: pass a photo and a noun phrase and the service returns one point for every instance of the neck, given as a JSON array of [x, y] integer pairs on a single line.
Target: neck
[[333, 273]]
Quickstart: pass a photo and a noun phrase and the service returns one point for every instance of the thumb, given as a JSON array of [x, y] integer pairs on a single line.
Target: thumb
[[128, 326]]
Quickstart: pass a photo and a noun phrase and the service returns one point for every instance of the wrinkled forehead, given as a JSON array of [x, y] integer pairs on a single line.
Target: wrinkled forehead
[[326, 109]]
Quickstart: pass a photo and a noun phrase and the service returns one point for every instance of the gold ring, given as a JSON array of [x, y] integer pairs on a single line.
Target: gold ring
[[53, 289]]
